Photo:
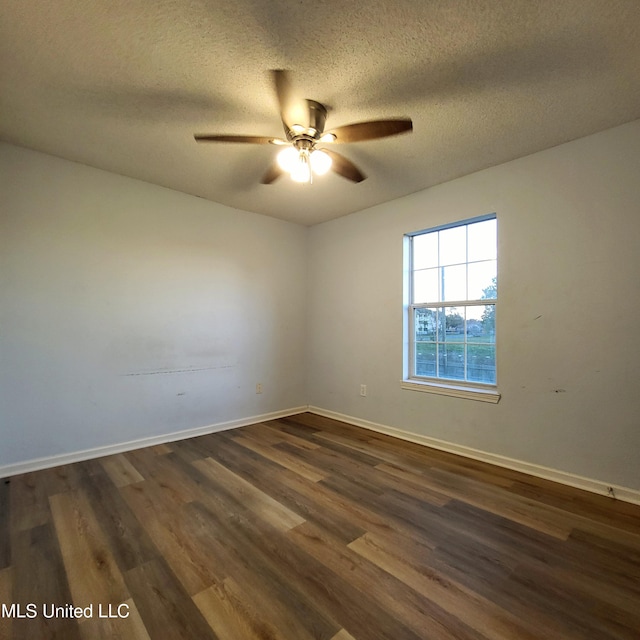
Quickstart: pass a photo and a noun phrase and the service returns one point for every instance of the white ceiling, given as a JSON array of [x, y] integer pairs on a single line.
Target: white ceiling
[[124, 84]]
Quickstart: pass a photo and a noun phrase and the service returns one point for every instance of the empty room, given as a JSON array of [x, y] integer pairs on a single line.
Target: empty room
[[319, 320]]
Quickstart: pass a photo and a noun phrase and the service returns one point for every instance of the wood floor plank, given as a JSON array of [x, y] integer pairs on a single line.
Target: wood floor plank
[[374, 454], [382, 587], [258, 578], [120, 470], [577, 612], [167, 611], [5, 530], [128, 541], [6, 596], [412, 484], [532, 514], [617, 605], [164, 472], [290, 489], [161, 449], [477, 612], [416, 489], [164, 523], [259, 502], [307, 528], [492, 583], [513, 540], [340, 506], [270, 433], [338, 465], [318, 586], [336, 444], [616, 564], [286, 460], [64, 478], [582, 503], [343, 635], [191, 449], [416, 553], [40, 579], [231, 616], [29, 501], [92, 572]]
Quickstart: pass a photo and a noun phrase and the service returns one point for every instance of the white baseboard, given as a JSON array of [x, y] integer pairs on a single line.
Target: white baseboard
[[98, 452], [588, 484], [579, 482]]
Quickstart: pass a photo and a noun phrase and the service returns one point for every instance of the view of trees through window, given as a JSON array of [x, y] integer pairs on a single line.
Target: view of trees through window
[[453, 308]]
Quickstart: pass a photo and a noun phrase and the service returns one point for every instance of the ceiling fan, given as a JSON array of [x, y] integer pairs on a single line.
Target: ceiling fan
[[304, 122]]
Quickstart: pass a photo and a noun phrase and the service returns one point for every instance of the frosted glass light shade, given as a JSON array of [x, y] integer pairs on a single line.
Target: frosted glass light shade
[[320, 162], [300, 163], [288, 158], [301, 172]]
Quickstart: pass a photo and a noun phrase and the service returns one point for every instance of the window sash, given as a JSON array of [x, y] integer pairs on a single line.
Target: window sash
[[441, 342]]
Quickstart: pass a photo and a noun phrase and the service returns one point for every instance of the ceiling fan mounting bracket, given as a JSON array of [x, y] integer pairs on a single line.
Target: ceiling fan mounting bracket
[[317, 117]]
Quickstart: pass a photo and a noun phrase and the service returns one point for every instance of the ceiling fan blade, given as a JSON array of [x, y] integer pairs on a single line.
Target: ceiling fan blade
[[293, 110], [203, 137], [272, 174], [361, 131], [345, 167]]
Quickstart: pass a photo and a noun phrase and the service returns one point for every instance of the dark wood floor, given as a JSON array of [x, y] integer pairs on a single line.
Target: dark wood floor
[[305, 528]]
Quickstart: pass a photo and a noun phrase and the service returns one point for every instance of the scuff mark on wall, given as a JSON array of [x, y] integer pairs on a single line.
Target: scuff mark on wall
[[173, 371]]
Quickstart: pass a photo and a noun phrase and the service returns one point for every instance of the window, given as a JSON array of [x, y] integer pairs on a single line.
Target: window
[[453, 289]]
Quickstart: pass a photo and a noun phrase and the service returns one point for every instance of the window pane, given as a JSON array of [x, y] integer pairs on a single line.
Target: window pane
[[425, 325], [440, 324], [454, 283], [451, 361], [482, 240], [425, 286], [481, 323], [426, 359], [453, 245], [425, 251], [481, 363], [454, 324], [450, 268], [483, 280], [489, 321]]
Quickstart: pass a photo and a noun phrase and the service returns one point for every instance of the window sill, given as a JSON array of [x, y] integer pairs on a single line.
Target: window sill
[[455, 391]]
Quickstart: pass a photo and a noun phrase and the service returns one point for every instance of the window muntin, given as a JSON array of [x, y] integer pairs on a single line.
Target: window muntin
[[453, 295]]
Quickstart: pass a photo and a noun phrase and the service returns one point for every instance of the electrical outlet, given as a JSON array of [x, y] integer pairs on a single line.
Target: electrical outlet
[[363, 390], [259, 387]]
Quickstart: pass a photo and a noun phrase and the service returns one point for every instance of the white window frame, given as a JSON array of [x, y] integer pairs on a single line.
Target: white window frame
[[442, 386]]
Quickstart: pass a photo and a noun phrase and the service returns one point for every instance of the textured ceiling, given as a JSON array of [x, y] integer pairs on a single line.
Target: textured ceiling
[[124, 85]]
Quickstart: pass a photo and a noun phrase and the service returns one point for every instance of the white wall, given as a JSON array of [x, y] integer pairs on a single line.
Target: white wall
[[129, 311], [569, 305]]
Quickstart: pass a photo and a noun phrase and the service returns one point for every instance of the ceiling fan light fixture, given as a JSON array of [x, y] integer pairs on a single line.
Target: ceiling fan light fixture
[[299, 156], [320, 162], [301, 171], [328, 137], [288, 158]]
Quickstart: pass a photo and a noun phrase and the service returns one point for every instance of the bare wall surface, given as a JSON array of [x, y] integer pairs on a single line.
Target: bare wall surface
[[569, 303], [131, 311], [128, 310]]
